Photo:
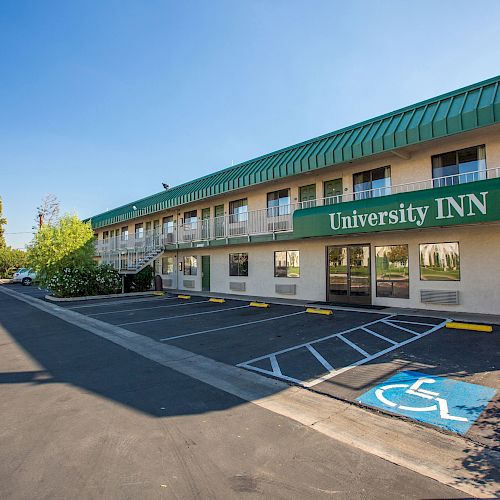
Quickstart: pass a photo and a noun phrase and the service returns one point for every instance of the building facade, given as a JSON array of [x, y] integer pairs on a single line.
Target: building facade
[[402, 211]]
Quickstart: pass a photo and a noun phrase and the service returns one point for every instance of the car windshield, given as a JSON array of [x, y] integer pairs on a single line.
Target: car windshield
[[21, 270]]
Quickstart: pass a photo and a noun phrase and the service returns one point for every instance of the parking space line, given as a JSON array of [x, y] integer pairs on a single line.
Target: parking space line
[[122, 301], [400, 327], [148, 308], [353, 345], [275, 366], [371, 332], [412, 322], [320, 358], [333, 372], [231, 326], [181, 316]]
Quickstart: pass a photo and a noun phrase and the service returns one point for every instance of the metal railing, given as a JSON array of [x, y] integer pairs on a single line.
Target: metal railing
[[266, 220]]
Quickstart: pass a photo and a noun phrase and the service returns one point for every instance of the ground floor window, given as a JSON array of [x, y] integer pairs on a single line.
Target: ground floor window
[[439, 262], [190, 266], [167, 265], [392, 271], [287, 264], [238, 264]]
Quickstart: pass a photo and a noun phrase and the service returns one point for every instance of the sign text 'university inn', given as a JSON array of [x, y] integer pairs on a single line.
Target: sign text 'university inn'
[[459, 204]]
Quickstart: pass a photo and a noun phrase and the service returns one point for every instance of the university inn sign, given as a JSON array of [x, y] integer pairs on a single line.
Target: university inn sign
[[468, 203]]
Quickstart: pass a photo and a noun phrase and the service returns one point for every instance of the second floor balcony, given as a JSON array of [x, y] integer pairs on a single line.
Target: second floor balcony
[[266, 221]]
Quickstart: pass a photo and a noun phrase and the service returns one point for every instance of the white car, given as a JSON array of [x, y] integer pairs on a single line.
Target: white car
[[25, 275]]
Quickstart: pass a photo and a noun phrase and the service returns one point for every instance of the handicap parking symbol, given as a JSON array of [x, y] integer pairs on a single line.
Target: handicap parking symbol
[[440, 401]]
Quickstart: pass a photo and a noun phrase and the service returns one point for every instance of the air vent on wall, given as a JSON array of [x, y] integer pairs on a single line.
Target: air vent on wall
[[286, 289], [188, 283], [447, 297], [237, 286]]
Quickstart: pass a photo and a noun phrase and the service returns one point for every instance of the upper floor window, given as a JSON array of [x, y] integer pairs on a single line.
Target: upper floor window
[[168, 224], [105, 235], [124, 233], [372, 183], [278, 203], [456, 167], [238, 210], [139, 230], [190, 219]]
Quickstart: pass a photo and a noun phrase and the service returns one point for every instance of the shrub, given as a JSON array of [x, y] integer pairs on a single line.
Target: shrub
[[79, 282], [140, 282]]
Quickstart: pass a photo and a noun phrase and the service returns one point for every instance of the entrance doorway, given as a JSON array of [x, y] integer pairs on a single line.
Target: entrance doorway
[[205, 273], [348, 273]]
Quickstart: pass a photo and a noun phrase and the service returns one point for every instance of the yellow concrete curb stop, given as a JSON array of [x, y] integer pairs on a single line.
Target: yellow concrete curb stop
[[469, 326], [183, 296], [259, 304], [158, 293], [313, 310], [217, 300]]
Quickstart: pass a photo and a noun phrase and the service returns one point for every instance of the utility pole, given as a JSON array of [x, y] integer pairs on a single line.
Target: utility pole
[[40, 220]]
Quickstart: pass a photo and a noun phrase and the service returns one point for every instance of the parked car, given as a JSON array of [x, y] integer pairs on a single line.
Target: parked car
[[25, 275]]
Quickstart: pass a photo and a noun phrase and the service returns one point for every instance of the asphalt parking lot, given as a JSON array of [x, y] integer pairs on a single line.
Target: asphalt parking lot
[[343, 355]]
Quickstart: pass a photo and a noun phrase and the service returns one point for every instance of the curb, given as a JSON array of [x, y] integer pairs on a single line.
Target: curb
[[96, 297]]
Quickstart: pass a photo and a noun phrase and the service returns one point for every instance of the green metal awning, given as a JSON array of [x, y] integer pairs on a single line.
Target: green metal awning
[[462, 110]]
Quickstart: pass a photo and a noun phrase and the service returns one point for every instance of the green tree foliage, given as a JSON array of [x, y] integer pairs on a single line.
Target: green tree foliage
[[3, 221], [69, 243], [10, 260]]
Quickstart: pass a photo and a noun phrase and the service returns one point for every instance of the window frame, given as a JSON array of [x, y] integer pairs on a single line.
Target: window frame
[[190, 266], [238, 217], [365, 194], [439, 243], [239, 273], [170, 264], [279, 208], [390, 280], [287, 264]]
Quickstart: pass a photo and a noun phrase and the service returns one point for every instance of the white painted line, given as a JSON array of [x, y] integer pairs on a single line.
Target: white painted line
[[334, 373], [320, 358], [371, 332], [328, 376], [333, 335], [182, 316], [275, 366], [231, 326], [113, 302], [353, 345], [147, 308], [412, 322], [400, 327]]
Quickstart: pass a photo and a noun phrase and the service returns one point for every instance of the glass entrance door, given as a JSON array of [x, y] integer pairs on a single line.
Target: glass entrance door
[[349, 274]]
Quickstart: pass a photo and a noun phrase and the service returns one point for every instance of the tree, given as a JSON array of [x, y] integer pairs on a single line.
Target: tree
[[48, 211], [10, 260], [68, 243], [3, 221]]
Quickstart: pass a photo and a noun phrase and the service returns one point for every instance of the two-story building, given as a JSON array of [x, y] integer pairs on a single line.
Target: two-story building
[[402, 210]]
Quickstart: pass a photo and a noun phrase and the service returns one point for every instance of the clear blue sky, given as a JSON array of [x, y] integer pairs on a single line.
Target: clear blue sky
[[101, 101]]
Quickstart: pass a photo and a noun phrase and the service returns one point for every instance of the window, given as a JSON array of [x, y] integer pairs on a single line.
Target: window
[[439, 262], [238, 264], [332, 191], [372, 183], [167, 265], [457, 167], [190, 219], [139, 230], [124, 233], [287, 264], [238, 210], [392, 271], [168, 224], [190, 266], [278, 203], [105, 235]]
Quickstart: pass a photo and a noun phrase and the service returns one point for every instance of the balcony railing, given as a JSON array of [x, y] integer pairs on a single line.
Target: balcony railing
[[267, 220]]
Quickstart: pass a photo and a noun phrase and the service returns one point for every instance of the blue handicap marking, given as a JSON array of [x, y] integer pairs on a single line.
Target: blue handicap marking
[[440, 401]]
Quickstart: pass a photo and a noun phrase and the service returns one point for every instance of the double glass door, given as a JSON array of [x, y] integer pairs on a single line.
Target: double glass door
[[349, 274]]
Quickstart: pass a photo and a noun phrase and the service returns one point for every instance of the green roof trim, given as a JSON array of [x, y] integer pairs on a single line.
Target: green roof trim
[[462, 110]]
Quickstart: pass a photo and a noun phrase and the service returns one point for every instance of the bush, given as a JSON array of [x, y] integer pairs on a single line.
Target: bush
[[140, 282], [79, 282]]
